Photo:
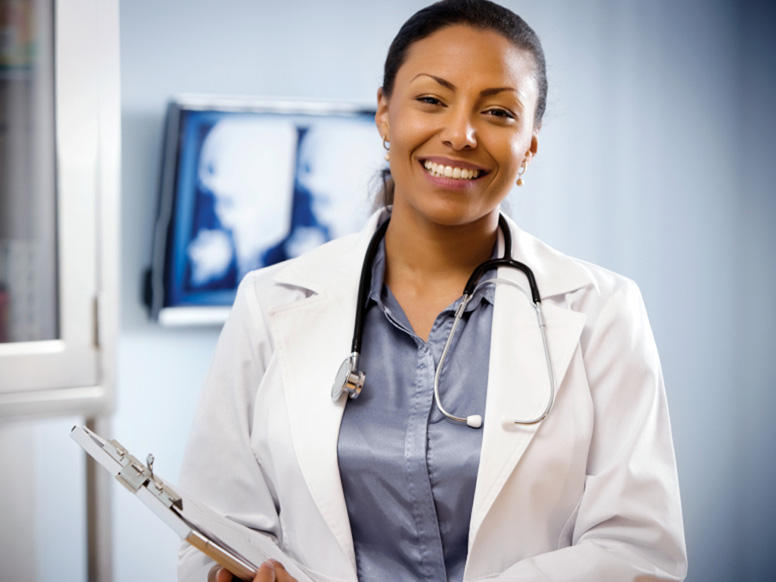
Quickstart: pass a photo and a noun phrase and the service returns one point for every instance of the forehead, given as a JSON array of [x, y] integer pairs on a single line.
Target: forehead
[[477, 55]]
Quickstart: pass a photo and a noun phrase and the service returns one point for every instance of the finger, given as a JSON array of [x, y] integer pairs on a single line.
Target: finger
[[223, 575], [266, 572], [281, 575]]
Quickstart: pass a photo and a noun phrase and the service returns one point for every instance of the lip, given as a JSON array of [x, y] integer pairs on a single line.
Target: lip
[[455, 163], [452, 183]]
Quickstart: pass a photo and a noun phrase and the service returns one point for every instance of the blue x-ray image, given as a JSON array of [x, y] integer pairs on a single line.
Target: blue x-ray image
[[253, 189], [334, 163], [244, 185]]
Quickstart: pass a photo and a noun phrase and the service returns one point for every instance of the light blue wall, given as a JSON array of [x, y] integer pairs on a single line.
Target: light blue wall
[[656, 160]]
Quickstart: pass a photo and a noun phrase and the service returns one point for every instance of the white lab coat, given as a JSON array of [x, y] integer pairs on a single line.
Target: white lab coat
[[589, 494]]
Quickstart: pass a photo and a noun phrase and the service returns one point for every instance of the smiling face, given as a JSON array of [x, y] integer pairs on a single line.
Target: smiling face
[[460, 121]]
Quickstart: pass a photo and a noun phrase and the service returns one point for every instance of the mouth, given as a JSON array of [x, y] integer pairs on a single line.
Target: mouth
[[453, 170]]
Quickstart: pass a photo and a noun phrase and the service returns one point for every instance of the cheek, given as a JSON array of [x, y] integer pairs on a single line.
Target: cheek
[[510, 155], [518, 148], [518, 151], [410, 130]]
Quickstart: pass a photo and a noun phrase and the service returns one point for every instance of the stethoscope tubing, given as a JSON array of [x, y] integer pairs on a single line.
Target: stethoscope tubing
[[475, 420], [351, 380], [363, 288]]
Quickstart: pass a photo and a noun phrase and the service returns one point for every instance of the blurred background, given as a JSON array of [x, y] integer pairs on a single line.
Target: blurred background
[[656, 160]]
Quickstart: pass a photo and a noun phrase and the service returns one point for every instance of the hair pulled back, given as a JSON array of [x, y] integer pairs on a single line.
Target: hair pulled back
[[481, 14]]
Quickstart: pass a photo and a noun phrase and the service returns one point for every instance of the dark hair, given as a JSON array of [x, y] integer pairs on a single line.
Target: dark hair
[[476, 13]]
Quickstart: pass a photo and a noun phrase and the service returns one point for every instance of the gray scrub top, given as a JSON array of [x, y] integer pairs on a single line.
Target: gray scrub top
[[407, 472]]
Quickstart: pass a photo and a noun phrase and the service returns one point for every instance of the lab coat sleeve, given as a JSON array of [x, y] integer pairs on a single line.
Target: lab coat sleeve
[[219, 467], [628, 524]]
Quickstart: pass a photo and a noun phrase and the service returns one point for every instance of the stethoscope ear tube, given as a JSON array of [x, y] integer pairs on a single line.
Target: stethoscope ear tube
[[550, 373], [475, 420]]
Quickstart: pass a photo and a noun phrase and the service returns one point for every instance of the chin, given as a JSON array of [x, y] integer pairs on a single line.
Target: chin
[[446, 214]]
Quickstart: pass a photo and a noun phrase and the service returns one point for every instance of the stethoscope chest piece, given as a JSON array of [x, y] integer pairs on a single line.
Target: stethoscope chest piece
[[349, 379]]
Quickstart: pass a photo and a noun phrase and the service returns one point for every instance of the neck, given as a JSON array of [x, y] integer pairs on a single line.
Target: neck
[[430, 253]]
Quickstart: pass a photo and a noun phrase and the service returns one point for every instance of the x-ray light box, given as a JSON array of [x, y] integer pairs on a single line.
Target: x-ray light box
[[245, 184]]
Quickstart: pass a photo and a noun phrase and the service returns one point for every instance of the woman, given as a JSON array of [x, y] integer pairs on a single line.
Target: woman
[[388, 486]]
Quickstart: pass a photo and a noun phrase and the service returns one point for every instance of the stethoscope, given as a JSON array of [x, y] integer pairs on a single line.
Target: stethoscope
[[350, 379]]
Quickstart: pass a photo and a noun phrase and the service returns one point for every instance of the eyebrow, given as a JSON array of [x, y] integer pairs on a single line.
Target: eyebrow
[[449, 85]]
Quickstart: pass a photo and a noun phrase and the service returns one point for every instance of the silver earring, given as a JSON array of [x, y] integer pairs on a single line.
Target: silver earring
[[387, 148]]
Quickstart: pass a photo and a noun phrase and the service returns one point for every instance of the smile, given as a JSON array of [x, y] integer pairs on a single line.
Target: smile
[[454, 172]]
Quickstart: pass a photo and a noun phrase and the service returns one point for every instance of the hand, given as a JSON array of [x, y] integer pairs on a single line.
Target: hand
[[270, 571]]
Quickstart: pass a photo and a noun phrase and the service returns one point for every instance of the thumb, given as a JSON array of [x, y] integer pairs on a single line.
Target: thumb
[[266, 572]]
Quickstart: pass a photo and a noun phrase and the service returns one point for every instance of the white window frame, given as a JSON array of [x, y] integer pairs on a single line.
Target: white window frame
[[75, 374]]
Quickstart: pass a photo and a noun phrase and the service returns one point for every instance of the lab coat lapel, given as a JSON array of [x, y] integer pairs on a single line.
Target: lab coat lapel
[[314, 336], [518, 384]]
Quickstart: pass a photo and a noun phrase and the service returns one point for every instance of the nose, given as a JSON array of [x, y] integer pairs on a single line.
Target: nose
[[458, 131]]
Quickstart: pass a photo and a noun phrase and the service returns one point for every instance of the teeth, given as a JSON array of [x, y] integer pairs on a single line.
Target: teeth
[[440, 171]]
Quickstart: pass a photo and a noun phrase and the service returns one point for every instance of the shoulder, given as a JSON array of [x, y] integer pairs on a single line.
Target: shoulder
[[611, 302], [605, 283], [264, 292], [616, 343], [616, 316], [566, 279], [333, 267], [295, 279]]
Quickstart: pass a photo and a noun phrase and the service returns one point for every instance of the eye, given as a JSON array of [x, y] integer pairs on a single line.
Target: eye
[[500, 113], [429, 100]]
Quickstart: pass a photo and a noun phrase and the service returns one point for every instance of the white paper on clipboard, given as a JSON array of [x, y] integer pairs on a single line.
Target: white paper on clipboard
[[236, 547]]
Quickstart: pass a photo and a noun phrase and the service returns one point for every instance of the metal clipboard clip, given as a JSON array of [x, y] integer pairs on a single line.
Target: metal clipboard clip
[[132, 473]]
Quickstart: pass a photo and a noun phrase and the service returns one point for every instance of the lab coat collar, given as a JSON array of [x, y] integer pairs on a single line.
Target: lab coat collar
[[555, 272], [314, 335], [323, 269]]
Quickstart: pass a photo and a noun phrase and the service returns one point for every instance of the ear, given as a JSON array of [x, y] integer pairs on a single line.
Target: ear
[[534, 147], [381, 116]]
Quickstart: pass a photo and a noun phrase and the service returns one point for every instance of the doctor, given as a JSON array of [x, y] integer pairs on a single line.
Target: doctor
[[386, 487]]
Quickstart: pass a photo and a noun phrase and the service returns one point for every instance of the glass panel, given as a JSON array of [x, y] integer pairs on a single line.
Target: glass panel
[[28, 242]]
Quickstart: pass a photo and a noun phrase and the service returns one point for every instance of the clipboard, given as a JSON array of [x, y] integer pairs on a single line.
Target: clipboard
[[235, 547]]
